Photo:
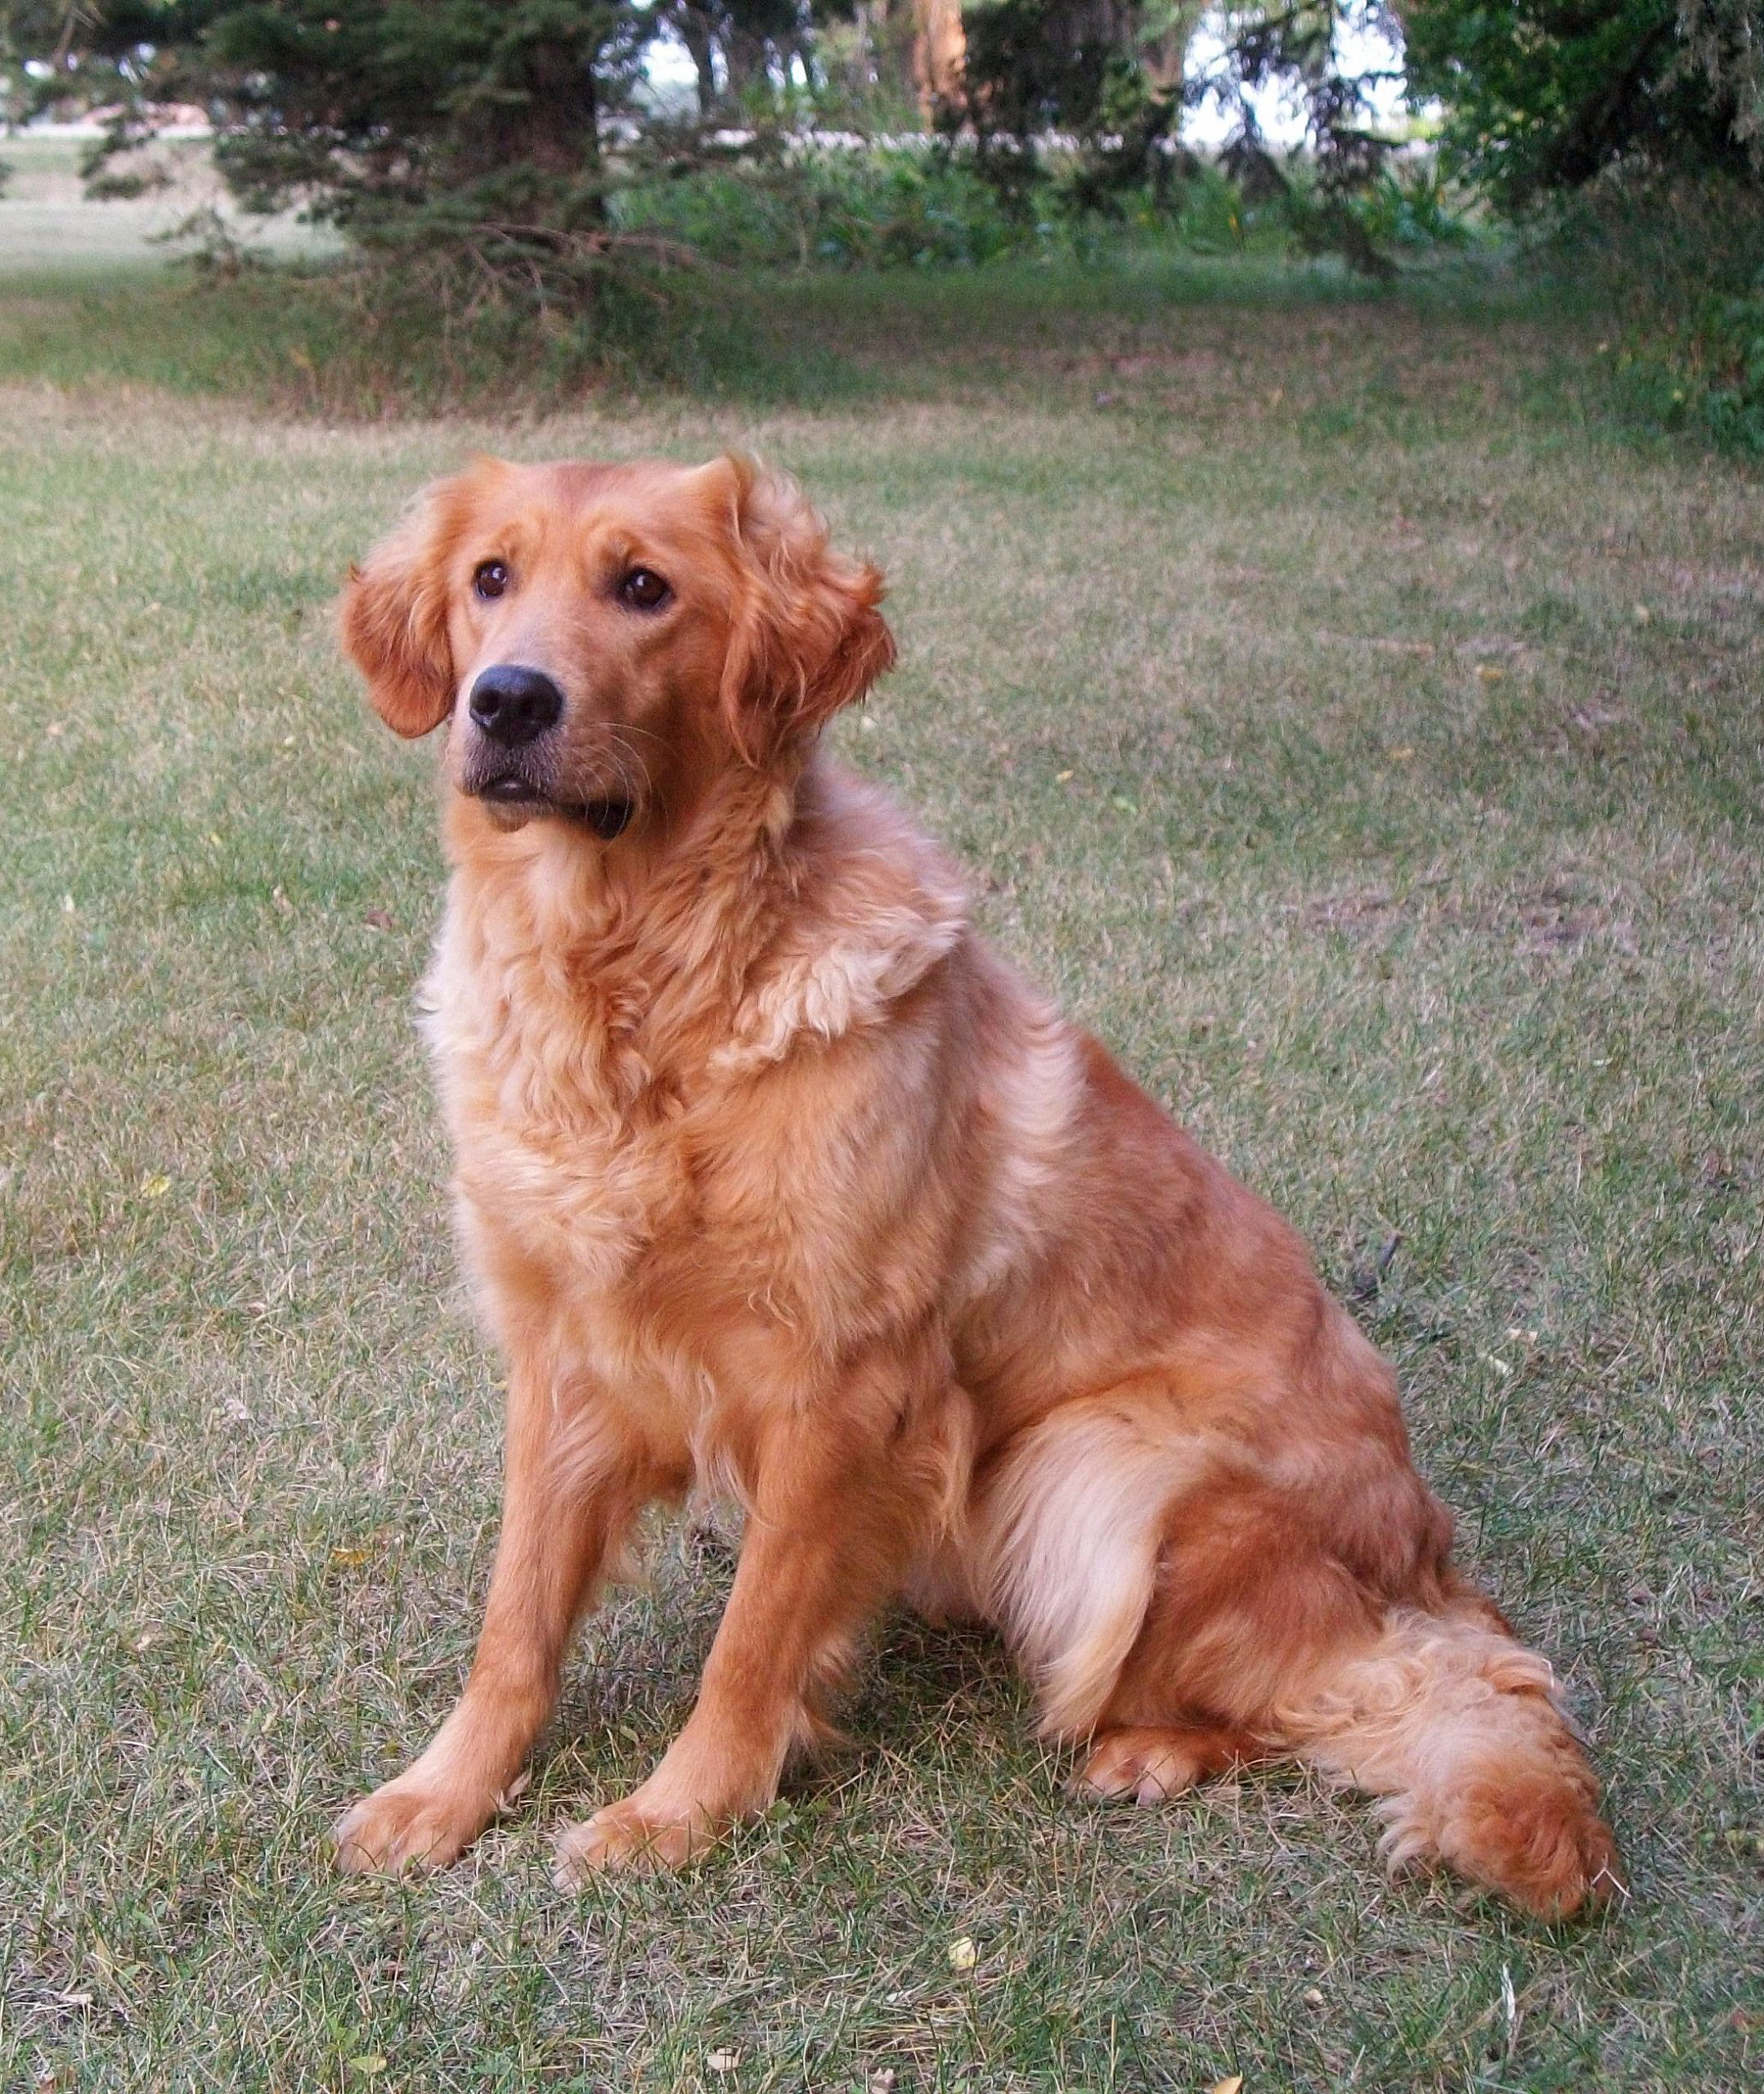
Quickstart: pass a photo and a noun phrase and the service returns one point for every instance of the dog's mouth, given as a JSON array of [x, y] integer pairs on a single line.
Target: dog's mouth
[[511, 794]]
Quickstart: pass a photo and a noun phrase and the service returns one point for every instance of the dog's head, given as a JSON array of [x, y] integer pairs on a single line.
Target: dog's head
[[598, 636]]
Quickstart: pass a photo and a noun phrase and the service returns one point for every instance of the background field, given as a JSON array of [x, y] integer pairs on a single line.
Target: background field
[[47, 223], [1358, 734]]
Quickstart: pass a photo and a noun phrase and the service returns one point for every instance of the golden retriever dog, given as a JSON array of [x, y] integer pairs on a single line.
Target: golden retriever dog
[[774, 1183]]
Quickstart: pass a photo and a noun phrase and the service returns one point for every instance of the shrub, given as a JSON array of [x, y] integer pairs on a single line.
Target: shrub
[[882, 208], [1725, 358], [1678, 265], [1411, 209]]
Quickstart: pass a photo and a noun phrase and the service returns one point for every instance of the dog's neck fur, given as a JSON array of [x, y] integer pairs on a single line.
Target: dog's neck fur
[[705, 947]]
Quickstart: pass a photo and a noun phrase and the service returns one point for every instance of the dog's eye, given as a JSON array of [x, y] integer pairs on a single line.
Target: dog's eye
[[490, 580], [643, 590]]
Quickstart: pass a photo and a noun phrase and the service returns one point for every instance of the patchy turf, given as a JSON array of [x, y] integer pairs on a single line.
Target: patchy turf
[[1373, 758]]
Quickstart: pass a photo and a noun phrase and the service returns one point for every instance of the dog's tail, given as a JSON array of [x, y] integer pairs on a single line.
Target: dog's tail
[[1457, 1729]]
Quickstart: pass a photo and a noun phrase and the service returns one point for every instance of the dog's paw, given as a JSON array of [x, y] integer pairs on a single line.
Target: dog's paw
[[409, 1823], [623, 1835], [1150, 1765]]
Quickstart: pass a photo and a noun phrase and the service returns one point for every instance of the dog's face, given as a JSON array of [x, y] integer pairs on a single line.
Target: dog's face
[[600, 637]]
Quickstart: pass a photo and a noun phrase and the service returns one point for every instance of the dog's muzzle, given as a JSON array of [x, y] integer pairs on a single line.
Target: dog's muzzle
[[514, 708]]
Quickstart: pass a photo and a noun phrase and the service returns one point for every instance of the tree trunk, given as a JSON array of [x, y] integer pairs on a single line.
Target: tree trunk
[[1165, 57], [693, 25], [939, 54], [744, 55]]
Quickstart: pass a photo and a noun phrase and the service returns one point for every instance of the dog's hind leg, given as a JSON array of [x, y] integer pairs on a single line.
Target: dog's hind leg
[[1184, 1606], [1068, 1549], [1433, 1708]]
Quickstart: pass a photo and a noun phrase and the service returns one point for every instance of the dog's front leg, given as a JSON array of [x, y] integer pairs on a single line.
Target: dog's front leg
[[571, 1488], [848, 1490]]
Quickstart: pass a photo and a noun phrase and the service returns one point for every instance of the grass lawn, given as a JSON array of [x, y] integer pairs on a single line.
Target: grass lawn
[[1360, 738], [47, 224]]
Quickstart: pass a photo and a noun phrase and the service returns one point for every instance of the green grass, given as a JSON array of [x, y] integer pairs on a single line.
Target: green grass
[[46, 224], [349, 345], [1370, 751]]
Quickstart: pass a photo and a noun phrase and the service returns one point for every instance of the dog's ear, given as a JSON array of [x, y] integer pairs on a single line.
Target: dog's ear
[[806, 634], [393, 615]]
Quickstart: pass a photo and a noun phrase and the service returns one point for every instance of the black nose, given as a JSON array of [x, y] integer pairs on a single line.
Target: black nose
[[512, 705]]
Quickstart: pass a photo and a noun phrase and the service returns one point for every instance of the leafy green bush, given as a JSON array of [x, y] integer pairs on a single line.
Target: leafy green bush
[[1202, 210], [1411, 209], [882, 208], [1725, 358], [1706, 375], [1678, 265]]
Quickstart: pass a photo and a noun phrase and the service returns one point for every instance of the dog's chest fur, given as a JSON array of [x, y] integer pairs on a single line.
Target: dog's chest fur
[[654, 1135], [571, 1151]]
